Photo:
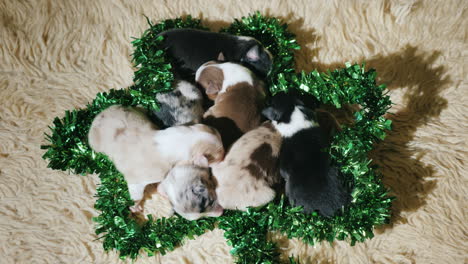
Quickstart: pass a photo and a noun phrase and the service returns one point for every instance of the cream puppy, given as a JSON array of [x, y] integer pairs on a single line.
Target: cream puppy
[[144, 154], [249, 173]]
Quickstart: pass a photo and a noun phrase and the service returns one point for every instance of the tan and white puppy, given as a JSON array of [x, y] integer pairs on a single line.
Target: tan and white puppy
[[144, 154], [249, 173], [238, 99]]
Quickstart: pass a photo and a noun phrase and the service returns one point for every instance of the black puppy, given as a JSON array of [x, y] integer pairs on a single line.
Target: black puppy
[[191, 48], [311, 180]]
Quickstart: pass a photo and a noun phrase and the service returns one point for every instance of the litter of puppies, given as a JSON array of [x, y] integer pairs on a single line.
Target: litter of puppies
[[215, 143]]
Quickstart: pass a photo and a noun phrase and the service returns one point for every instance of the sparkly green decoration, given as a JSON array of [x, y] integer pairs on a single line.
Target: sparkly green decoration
[[247, 231], [274, 35]]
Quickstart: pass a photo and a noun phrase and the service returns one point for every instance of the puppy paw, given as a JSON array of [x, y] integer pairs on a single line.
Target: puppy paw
[[136, 209]]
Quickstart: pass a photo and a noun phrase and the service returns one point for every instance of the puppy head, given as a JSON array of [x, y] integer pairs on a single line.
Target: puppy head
[[191, 191], [281, 107], [289, 114], [183, 92], [256, 56], [216, 77], [188, 90]]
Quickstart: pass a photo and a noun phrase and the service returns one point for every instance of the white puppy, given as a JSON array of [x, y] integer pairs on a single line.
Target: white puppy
[[145, 155]]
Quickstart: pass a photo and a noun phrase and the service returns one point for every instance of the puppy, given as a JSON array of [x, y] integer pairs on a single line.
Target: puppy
[[191, 190], [311, 180], [249, 173], [145, 155], [187, 189], [238, 99], [183, 105], [191, 48]]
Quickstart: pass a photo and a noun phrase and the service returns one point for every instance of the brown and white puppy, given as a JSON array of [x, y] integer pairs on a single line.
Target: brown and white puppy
[[238, 98], [249, 173], [144, 154]]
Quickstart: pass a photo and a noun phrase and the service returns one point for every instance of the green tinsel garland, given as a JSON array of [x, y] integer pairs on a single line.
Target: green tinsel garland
[[247, 231]]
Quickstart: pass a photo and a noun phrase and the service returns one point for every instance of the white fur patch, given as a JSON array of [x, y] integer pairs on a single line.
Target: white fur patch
[[250, 38], [245, 38], [233, 74], [188, 90], [296, 124], [173, 142], [137, 190], [199, 71]]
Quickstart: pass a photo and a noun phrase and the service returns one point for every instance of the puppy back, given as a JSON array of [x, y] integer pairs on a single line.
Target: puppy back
[[241, 104], [116, 121], [258, 152], [249, 171]]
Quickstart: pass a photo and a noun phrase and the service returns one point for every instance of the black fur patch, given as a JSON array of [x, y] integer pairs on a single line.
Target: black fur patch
[[227, 129], [191, 48], [177, 93]]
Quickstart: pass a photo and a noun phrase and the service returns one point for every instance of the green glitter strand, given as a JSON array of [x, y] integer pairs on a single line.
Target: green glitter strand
[[122, 232], [153, 72], [247, 231]]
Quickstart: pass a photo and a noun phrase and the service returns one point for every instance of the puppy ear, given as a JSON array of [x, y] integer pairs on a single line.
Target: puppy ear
[[309, 113], [328, 122], [270, 113], [211, 78], [297, 96], [253, 54], [200, 160], [298, 102], [221, 57]]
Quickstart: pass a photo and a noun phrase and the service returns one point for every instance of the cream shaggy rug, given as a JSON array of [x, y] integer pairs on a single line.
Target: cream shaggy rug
[[56, 55]]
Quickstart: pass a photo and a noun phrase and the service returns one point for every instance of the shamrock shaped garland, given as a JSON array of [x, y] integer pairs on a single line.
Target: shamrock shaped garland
[[247, 231]]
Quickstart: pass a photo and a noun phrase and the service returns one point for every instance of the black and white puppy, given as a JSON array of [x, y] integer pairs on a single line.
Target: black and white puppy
[[191, 48], [181, 106], [311, 180]]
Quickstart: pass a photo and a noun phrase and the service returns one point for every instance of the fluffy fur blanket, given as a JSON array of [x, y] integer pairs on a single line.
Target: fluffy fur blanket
[[56, 55]]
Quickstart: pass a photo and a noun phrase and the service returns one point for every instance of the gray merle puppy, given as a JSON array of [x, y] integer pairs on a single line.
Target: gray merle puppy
[[181, 106], [191, 48], [311, 180], [191, 190]]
